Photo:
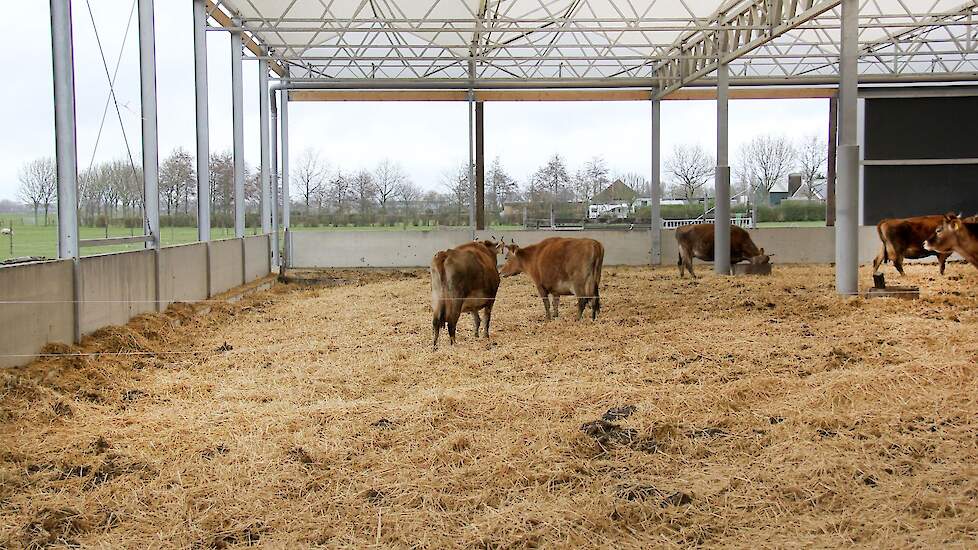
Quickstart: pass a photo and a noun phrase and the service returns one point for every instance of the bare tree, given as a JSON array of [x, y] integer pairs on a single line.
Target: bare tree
[[812, 158], [340, 189], [38, 185], [553, 178], [591, 179], [689, 168], [177, 177], [409, 194], [456, 182], [502, 186], [364, 190], [638, 182], [309, 174], [388, 179], [764, 161]]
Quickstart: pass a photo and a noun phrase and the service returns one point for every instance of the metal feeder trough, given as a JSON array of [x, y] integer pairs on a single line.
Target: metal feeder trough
[[750, 269], [880, 290]]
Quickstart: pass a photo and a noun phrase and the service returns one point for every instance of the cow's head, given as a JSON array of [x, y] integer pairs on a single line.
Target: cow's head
[[513, 264], [493, 247], [761, 258], [945, 237]]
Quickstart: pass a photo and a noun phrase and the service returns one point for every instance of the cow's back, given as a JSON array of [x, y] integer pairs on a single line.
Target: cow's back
[[565, 260]]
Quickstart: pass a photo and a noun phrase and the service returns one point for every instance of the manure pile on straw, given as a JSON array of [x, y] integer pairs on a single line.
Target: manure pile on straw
[[742, 411]]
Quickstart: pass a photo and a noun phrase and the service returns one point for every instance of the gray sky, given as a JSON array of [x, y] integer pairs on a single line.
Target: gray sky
[[426, 139]]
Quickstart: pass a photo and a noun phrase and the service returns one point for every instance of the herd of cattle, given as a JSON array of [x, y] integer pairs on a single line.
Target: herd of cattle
[[466, 278]]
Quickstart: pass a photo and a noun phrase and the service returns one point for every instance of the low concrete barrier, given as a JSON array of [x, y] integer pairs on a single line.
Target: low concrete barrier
[[226, 265], [37, 308], [183, 274], [258, 258], [314, 249], [114, 288], [39, 298]]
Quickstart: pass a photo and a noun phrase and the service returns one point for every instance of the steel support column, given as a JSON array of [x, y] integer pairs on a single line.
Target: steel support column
[[830, 175], [203, 130], [480, 166], [66, 147], [721, 233], [274, 176], [471, 105], [151, 153], [286, 201], [655, 229], [237, 129], [264, 173], [847, 183]]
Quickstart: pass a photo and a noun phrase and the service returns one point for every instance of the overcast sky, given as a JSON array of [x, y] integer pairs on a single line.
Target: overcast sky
[[426, 139]]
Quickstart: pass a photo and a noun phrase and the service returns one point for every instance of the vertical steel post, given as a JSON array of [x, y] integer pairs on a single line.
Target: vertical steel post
[[237, 129], [273, 104], [830, 175], [471, 104], [480, 166], [721, 223], [286, 201], [847, 186], [203, 131], [264, 174], [151, 153], [66, 147], [656, 185]]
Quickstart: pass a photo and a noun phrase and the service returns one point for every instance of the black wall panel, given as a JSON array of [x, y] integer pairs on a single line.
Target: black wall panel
[[902, 191], [921, 128]]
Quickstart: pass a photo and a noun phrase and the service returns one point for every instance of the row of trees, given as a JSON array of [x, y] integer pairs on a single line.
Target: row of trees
[[760, 164], [385, 193]]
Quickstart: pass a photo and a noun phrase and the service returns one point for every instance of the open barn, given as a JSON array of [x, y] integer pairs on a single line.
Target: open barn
[[280, 387]]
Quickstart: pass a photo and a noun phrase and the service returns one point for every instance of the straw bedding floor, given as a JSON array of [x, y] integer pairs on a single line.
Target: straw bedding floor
[[763, 412]]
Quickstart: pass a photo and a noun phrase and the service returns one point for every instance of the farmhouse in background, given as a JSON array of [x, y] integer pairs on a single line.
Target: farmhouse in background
[[614, 201]]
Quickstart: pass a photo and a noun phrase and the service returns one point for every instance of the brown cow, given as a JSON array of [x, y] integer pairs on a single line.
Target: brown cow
[[696, 241], [463, 278], [560, 266], [904, 238], [956, 235]]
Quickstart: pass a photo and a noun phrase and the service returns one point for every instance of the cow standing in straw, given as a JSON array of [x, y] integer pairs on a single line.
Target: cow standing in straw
[[463, 278]]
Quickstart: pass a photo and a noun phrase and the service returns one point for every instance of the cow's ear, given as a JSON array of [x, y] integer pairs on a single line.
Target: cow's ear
[[950, 216], [762, 251]]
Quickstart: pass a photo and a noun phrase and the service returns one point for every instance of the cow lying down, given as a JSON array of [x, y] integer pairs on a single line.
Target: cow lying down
[[696, 241]]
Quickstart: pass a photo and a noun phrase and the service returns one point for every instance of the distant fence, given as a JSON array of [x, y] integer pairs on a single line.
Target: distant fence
[[740, 221], [58, 300]]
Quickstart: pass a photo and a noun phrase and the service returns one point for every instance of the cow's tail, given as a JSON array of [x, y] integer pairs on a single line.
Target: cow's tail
[[438, 294]]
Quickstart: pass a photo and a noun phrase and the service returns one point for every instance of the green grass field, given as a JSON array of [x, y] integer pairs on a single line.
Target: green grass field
[[40, 240]]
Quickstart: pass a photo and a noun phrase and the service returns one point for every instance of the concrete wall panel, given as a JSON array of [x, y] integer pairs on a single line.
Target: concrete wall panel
[[790, 245], [258, 260], [225, 265], [37, 309], [371, 248], [115, 288], [183, 273]]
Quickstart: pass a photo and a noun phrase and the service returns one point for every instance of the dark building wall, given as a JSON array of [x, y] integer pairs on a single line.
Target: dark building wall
[[932, 128]]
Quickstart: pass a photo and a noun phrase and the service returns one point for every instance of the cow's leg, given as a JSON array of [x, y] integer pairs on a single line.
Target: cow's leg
[[942, 259], [488, 317], [435, 329], [581, 304], [556, 300], [476, 321], [452, 323], [682, 272], [595, 304], [898, 263], [878, 261], [546, 300]]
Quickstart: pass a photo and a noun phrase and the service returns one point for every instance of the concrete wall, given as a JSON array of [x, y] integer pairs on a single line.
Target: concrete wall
[[415, 248], [183, 274], [258, 258], [371, 248], [114, 288], [226, 265], [37, 309]]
